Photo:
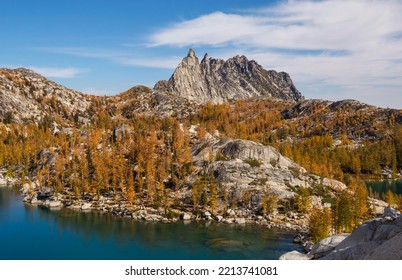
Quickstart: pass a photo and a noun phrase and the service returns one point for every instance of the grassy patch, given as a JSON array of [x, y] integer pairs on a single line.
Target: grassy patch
[[253, 162], [296, 171], [220, 157], [259, 182], [172, 214]]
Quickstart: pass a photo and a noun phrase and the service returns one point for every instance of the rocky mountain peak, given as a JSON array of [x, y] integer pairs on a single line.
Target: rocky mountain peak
[[191, 53], [205, 59], [218, 81], [190, 60]]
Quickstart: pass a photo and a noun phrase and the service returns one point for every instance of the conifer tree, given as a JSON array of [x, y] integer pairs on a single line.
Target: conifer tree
[[320, 223], [303, 200]]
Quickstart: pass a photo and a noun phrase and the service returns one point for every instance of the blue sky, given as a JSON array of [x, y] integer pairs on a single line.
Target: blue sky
[[332, 49]]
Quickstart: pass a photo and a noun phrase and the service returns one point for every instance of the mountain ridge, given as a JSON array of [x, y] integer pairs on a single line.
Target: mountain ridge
[[218, 81], [28, 96]]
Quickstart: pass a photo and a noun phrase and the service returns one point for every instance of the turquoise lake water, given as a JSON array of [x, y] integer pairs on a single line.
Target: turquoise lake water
[[381, 187], [36, 233]]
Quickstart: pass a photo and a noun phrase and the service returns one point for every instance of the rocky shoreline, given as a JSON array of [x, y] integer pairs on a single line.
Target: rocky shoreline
[[5, 180], [117, 206]]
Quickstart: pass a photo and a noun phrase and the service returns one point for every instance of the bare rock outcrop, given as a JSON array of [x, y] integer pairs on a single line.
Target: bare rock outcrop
[[28, 96], [294, 255], [244, 165], [218, 81], [377, 239], [326, 245]]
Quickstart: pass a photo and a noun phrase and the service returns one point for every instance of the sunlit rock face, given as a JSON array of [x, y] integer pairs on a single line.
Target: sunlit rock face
[[218, 81]]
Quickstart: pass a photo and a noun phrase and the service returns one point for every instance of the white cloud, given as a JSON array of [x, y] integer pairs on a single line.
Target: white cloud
[[213, 29], [348, 25], [50, 72], [349, 48]]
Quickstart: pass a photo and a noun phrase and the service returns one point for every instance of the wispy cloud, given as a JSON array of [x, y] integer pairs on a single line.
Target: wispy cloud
[[162, 62], [50, 72], [354, 46], [300, 25], [123, 56]]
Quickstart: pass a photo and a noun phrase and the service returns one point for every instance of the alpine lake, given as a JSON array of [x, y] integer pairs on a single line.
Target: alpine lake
[[379, 188], [37, 233]]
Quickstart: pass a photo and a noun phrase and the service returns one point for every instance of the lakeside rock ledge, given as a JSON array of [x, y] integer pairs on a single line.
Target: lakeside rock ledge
[[376, 239]]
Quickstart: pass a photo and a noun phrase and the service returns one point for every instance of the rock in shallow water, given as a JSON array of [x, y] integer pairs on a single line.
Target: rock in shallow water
[[185, 216], [294, 255], [53, 203], [86, 206], [218, 218], [240, 221]]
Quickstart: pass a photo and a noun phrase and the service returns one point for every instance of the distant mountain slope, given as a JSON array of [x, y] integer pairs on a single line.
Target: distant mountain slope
[[28, 96], [350, 117], [219, 81]]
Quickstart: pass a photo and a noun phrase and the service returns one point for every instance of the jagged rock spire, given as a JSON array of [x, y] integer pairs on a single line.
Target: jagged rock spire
[[191, 53], [218, 81], [205, 59]]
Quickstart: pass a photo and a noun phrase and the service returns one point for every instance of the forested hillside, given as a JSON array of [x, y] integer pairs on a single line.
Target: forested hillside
[[261, 158]]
